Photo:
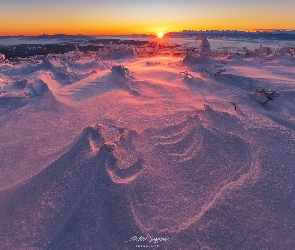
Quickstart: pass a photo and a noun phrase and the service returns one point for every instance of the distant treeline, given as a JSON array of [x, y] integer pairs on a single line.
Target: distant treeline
[[276, 35], [26, 50]]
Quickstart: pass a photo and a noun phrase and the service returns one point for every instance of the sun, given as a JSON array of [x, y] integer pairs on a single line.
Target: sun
[[160, 34]]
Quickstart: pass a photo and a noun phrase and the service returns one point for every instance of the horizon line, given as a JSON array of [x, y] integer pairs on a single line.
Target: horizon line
[[142, 34]]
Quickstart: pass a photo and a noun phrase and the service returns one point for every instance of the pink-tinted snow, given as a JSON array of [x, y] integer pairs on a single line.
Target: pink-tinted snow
[[93, 155]]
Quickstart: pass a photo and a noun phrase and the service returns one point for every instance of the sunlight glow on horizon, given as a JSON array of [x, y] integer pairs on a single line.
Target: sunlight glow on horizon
[[160, 34]]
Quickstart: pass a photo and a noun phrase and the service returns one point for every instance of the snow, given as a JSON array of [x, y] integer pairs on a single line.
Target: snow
[[98, 149], [2, 58]]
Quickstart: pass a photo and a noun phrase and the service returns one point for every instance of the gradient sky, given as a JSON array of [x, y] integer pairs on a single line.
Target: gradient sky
[[33, 17]]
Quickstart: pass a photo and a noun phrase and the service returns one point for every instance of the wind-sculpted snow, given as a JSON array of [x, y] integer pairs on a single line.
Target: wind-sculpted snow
[[18, 93], [123, 77], [190, 172], [184, 154], [69, 191]]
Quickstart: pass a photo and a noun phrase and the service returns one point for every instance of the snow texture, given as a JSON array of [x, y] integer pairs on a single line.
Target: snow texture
[[98, 151]]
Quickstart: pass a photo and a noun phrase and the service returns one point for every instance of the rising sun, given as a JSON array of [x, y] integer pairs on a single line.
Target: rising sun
[[160, 34]]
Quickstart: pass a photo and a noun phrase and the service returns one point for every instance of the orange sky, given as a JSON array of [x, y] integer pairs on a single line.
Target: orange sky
[[130, 16]]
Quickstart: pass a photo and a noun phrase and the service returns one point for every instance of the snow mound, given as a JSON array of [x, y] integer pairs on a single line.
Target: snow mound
[[83, 180], [123, 78]]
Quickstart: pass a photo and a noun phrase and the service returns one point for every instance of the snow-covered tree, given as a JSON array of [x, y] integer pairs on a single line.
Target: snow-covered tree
[[2, 58], [77, 53], [205, 49]]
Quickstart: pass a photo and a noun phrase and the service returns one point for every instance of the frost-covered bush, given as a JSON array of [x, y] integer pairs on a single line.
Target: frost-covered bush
[[185, 75], [267, 94], [218, 72], [205, 72], [205, 49], [250, 53], [263, 50], [283, 50], [235, 105]]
